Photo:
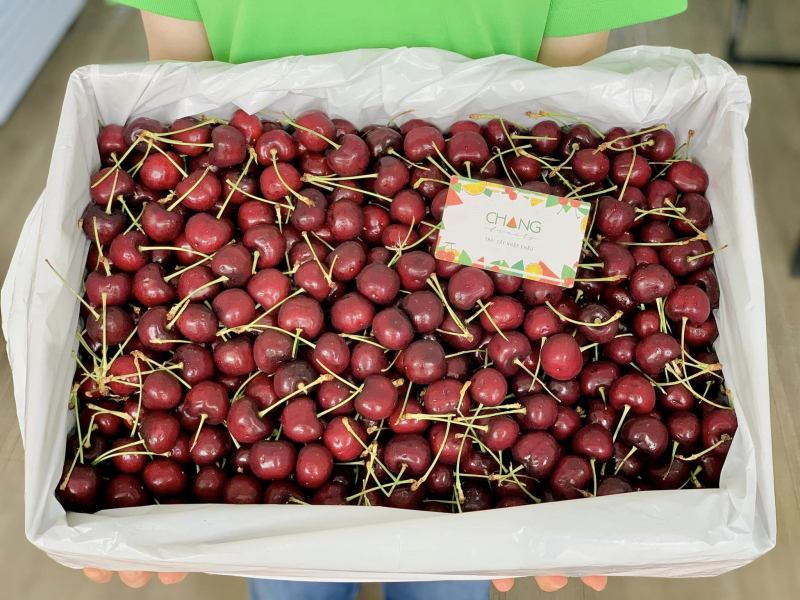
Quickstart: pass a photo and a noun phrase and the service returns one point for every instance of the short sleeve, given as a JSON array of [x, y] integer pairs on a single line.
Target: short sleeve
[[178, 9], [577, 17]]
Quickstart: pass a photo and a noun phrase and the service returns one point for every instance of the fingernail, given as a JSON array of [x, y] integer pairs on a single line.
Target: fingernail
[[97, 575], [597, 583], [171, 578], [503, 585], [134, 579], [553, 584]]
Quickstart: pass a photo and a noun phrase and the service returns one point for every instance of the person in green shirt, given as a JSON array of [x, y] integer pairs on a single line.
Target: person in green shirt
[[553, 32]]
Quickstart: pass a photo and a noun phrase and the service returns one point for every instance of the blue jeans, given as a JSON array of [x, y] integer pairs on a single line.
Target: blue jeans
[[269, 589]]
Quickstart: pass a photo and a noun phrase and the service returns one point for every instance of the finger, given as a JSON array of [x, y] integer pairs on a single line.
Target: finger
[[596, 582], [551, 583], [171, 578], [135, 579], [98, 575], [503, 585]]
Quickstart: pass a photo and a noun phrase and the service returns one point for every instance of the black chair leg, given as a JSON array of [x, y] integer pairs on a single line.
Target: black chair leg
[[736, 56]]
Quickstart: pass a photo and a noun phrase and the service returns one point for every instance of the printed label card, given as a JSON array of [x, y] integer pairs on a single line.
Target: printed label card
[[512, 231]]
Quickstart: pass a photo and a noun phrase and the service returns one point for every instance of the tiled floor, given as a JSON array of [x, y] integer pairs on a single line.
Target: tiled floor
[[113, 34]]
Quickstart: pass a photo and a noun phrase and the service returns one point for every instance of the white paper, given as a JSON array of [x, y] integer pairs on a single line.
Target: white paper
[[674, 533]]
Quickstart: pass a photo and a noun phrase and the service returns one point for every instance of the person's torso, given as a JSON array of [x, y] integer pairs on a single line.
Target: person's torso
[[246, 30]]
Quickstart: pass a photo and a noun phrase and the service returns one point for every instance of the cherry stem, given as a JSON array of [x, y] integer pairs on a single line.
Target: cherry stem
[[672, 459], [363, 338], [301, 389], [117, 163], [211, 121], [203, 418], [441, 169], [421, 180], [112, 195], [305, 200], [572, 150], [543, 138], [481, 116], [692, 478], [498, 153], [71, 289], [296, 125], [382, 487], [240, 390], [398, 250], [536, 379], [251, 155], [134, 453], [341, 403], [116, 167], [104, 344], [255, 322], [424, 478], [704, 254], [684, 353], [672, 211], [194, 185], [325, 272], [393, 119], [653, 129], [102, 456], [320, 182], [615, 317], [296, 336], [701, 236], [662, 317], [73, 401], [183, 173], [680, 215], [235, 188], [346, 423], [135, 168], [176, 311], [182, 270], [505, 167], [628, 176], [134, 219], [621, 463], [393, 152], [63, 485], [433, 282], [591, 194], [691, 390], [625, 410], [176, 249], [331, 248], [509, 136], [724, 438], [484, 309]]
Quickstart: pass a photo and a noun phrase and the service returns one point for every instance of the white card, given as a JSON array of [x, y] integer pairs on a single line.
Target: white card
[[512, 231]]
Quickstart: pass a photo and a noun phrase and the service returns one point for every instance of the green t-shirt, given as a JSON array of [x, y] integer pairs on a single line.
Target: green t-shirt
[[246, 30]]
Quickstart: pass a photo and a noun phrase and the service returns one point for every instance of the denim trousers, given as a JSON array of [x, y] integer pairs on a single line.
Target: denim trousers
[[268, 589]]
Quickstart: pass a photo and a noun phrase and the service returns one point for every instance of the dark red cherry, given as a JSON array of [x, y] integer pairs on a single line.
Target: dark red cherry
[[314, 466], [538, 452]]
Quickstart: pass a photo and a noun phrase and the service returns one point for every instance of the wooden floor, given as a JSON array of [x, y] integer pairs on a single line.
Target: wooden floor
[[113, 34]]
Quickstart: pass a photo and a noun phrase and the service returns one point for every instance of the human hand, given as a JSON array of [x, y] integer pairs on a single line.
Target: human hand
[[553, 583], [133, 579]]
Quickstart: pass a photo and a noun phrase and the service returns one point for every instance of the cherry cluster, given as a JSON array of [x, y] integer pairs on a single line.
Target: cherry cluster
[[263, 320]]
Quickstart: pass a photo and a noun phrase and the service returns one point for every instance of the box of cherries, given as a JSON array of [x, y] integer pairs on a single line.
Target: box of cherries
[[264, 321]]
